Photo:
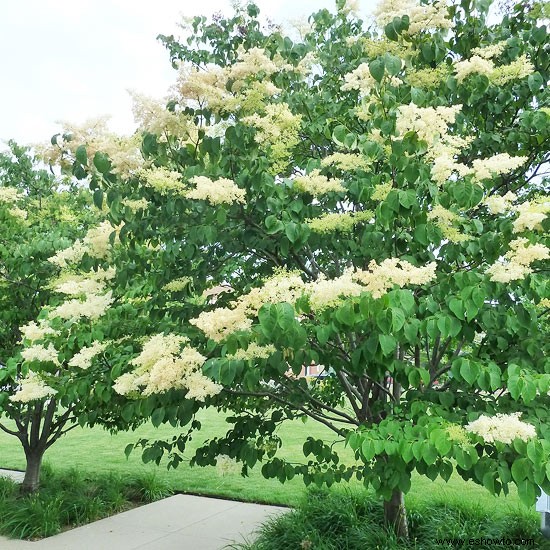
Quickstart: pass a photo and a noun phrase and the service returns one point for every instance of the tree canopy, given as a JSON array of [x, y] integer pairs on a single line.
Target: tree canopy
[[365, 196]]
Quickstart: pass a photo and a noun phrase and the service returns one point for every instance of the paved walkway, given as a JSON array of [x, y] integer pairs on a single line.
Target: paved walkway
[[180, 522]]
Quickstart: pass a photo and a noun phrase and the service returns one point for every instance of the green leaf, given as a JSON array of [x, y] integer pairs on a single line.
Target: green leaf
[[388, 343], [102, 163], [392, 64], [128, 449], [429, 454], [157, 418], [346, 314], [520, 469], [273, 225], [285, 315], [527, 492], [534, 81], [469, 370], [457, 307], [398, 319], [81, 155], [98, 198], [376, 68], [292, 231], [391, 32], [339, 135]]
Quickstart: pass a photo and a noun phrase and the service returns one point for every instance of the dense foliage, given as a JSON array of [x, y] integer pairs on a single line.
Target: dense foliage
[[365, 197]]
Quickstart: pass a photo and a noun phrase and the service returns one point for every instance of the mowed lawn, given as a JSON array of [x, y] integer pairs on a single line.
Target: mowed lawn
[[97, 451]]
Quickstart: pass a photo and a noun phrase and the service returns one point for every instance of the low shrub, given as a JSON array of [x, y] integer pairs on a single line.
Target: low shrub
[[68, 499], [345, 520]]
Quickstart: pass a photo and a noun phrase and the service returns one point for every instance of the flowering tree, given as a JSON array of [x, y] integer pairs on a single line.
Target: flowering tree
[[365, 197], [55, 309]]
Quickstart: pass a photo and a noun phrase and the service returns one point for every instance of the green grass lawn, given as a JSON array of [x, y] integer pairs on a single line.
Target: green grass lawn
[[95, 451]]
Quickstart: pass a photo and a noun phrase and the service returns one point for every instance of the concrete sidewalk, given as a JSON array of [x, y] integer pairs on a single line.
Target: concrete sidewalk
[[182, 522]]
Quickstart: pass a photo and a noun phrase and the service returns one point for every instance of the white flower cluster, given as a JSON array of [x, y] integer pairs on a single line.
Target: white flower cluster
[[382, 277], [499, 204], [92, 307], [38, 352], [96, 243], [502, 427], [33, 331], [482, 64], [277, 131], [493, 50], [162, 366], [71, 255], [163, 180], [83, 359], [474, 65], [496, 165], [284, 286], [336, 221], [253, 351], [378, 279], [346, 161], [518, 259], [422, 17], [444, 219], [429, 123], [531, 215], [32, 388], [250, 63], [124, 152], [153, 117], [216, 192], [204, 86], [359, 79], [136, 204], [381, 191], [221, 322], [444, 165], [324, 293], [9, 195], [78, 287], [177, 284], [316, 184]]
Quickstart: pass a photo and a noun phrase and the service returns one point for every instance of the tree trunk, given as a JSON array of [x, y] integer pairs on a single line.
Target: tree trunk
[[395, 514], [31, 482]]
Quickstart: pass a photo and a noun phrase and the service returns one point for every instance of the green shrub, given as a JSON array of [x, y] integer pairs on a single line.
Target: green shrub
[[71, 498], [149, 487], [348, 520]]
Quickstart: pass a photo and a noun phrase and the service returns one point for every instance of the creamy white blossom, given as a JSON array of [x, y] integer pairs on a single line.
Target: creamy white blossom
[[253, 351], [422, 17], [10, 195], [502, 427], [38, 352], [33, 331], [499, 204], [221, 191], [317, 184], [164, 364], [429, 123], [92, 307], [531, 215], [32, 388], [83, 359]]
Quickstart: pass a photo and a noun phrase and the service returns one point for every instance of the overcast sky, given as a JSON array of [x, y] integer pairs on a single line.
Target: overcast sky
[[71, 60]]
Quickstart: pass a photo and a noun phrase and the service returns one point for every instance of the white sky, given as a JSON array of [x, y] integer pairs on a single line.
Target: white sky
[[70, 60]]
